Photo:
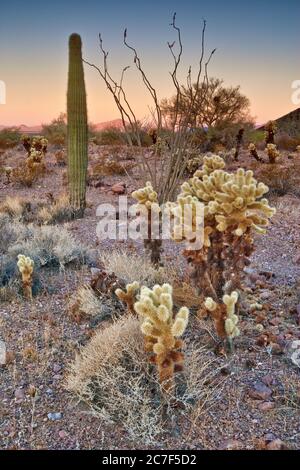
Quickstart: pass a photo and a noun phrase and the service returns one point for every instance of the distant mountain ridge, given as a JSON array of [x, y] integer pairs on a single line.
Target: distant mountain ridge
[[115, 124], [289, 123]]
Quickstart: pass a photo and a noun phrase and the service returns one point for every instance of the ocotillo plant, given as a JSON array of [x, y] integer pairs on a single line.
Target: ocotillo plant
[[77, 128]]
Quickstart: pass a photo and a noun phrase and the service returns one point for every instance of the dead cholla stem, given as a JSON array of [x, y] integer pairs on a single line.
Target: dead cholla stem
[[239, 141], [162, 330], [129, 295], [224, 317], [270, 131], [253, 152], [147, 204], [25, 265]]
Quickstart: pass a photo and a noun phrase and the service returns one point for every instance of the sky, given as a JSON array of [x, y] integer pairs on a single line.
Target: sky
[[258, 45]]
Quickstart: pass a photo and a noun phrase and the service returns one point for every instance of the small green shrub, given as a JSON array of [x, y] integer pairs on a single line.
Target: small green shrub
[[9, 137]]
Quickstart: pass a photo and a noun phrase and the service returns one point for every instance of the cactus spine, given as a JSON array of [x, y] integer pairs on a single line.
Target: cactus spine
[[77, 127]]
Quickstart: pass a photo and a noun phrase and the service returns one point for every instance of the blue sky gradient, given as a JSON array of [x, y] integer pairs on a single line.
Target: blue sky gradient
[[257, 47]]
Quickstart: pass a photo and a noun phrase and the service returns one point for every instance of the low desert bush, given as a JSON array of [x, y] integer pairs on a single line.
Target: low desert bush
[[9, 137], [47, 246], [133, 267], [113, 376], [286, 142], [58, 211], [15, 207], [280, 179], [111, 136]]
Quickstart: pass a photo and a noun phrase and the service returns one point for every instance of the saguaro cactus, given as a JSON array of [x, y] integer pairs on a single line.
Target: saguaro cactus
[[77, 127]]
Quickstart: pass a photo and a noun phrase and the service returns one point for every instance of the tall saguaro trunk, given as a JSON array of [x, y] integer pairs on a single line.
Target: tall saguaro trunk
[[77, 128]]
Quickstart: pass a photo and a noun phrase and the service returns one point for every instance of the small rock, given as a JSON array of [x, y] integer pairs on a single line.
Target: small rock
[[56, 368], [277, 444], [118, 188], [230, 444], [268, 379], [266, 406], [19, 394], [260, 391], [265, 295], [54, 416], [62, 434], [296, 259]]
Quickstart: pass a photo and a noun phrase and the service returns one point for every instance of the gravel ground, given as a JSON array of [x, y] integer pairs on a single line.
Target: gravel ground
[[259, 388]]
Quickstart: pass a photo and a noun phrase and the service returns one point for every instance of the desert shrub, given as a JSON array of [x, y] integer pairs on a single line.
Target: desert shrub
[[286, 142], [113, 376], [254, 136], [9, 137], [26, 176], [58, 211], [56, 131], [60, 157], [109, 167], [47, 246], [133, 267], [14, 207], [110, 136], [7, 233], [279, 178]]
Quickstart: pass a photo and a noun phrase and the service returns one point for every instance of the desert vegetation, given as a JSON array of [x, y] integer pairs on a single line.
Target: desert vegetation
[[185, 341]]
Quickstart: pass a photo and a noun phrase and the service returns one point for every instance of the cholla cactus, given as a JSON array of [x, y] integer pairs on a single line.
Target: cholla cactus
[[8, 172], [129, 295], [147, 199], [193, 164], [224, 316], [234, 207], [272, 152], [25, 265], [210, 164], [37, 143], [253, 152], [270, 131], [239, 142], [162, 331]]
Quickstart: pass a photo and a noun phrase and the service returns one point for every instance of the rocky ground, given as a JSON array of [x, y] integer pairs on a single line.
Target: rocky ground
[[258, 401]]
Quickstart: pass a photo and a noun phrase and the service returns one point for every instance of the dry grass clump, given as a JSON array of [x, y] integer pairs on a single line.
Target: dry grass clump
[[113, 376], [14, 207], [84, 303], [7, 233], [59, 211], [280, 178], [133, 267], [107, 167]]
